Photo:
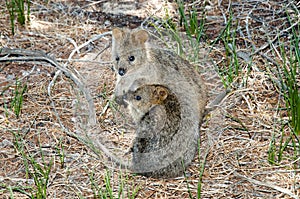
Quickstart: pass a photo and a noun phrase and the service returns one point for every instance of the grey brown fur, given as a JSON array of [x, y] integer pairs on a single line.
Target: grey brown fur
[[155, 66], [166, 136], [138, 64]]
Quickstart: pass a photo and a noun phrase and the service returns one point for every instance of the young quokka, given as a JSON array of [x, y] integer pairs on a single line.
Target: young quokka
[[167, 134]]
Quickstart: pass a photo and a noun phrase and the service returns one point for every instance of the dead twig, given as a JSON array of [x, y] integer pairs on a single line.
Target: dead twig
[[275, 38], [86, 43], [265, 184], [52, 102], [10, 55]]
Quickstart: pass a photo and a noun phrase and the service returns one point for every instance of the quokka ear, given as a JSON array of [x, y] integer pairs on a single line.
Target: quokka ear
[[117, 33], [140, 36], [160, 94]]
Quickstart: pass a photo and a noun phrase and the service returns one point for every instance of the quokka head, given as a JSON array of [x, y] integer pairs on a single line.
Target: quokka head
[[128, 49], [144, 98]]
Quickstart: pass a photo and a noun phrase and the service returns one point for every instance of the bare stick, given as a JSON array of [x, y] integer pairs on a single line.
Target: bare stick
[[77, 49], [274, 39], [52, 102], [85, 60], [86, 43], [282, 190], [8, 54]]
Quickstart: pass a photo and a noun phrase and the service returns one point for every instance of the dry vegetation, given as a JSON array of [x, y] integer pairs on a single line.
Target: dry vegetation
[[41, 140]]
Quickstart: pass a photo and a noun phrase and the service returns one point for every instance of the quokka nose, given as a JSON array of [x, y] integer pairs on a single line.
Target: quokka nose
[[121, 100], [121, 71]]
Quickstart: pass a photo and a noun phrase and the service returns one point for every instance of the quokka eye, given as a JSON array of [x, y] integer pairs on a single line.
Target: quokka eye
[[138, 98], [131, 58], [117, 58]]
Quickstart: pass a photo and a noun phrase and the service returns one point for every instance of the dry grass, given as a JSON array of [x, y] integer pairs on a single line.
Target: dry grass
[[239, 130]]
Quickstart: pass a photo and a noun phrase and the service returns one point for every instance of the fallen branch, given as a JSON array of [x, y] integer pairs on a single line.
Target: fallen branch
[[15, 55]]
